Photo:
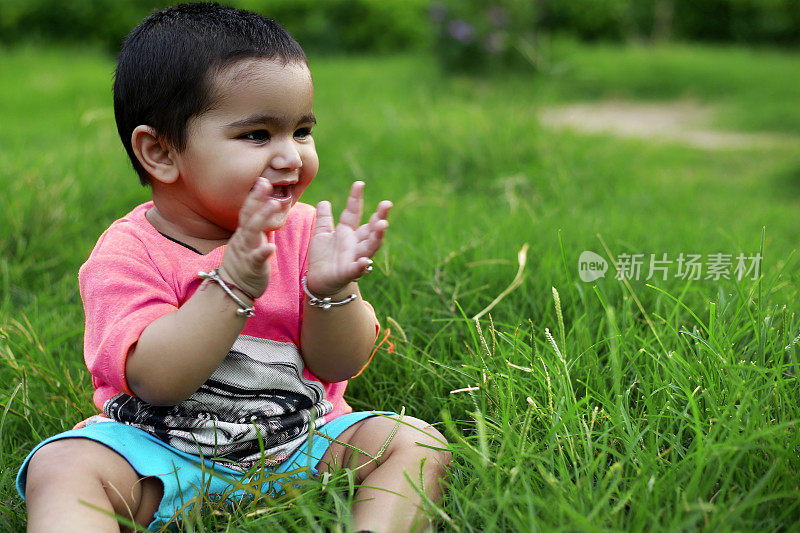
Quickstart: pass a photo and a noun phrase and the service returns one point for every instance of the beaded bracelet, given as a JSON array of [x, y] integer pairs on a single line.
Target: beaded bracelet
[[244, 309], [323, 303]]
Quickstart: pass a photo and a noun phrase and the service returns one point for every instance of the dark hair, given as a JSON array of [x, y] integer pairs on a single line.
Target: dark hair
[[166, 67]]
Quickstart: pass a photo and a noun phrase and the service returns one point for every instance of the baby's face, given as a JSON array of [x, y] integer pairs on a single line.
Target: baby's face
[[261, 126]]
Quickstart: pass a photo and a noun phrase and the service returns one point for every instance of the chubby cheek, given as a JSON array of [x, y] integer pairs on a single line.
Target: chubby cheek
[[307, 172]]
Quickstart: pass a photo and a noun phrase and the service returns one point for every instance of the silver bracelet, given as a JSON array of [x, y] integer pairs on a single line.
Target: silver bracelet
[[244, 309], [323, 303]]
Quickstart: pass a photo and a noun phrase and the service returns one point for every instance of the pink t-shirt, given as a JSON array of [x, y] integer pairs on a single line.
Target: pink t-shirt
[[262, 389]]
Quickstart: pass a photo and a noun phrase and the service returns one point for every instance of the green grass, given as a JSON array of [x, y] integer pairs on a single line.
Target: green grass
[[670, 406]]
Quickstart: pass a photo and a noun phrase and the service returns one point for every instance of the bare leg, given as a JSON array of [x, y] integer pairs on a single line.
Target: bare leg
[[64, 472], [386, 500]]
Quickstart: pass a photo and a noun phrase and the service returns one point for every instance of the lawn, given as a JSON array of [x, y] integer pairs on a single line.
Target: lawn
[[668, 404]]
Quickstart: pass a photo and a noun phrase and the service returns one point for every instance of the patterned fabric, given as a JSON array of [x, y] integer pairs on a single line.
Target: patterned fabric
[[258, 393]]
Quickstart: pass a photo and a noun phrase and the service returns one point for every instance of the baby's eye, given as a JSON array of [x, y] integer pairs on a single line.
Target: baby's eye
[[302, 132], [259, 136]]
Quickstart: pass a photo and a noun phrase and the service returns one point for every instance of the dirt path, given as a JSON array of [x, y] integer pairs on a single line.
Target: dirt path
[[681, 121]]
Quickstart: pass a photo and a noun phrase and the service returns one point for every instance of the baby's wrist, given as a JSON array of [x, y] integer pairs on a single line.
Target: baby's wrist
[[248, 286], [245, 306], [340, 294], [235, 286], [330, 292], [331, 298]]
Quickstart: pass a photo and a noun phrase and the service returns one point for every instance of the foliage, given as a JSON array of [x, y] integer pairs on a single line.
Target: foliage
[[468, 33], [773, 21], [330, 26], [349, 25], [87, 21], [591, 19], [473, 35], [745, 21]]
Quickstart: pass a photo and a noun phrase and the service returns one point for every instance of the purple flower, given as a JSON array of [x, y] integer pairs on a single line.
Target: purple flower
[[461, 31]]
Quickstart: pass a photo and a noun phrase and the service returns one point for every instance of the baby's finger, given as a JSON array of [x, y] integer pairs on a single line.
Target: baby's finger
[[381, 213], [263, 252], [370, 246], [357, 268], [324, 222], [254, 200], [252, 232], [372, 239], [351, 216], [364, 264], [383, 209]]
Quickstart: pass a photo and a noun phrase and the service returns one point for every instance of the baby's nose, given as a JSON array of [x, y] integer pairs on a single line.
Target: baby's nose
[[287, 157]]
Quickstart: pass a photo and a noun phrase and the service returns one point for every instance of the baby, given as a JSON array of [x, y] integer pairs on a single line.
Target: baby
[[224, 316]]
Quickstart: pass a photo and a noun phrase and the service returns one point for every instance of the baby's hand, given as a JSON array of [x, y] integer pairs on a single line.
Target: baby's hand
[[340, 255], [245, 262]]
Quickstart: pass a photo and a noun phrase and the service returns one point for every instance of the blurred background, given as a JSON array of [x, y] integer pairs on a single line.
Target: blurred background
[[465, 34]]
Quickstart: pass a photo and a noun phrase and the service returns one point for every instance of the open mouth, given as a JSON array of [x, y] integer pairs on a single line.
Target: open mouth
[[281, 192]]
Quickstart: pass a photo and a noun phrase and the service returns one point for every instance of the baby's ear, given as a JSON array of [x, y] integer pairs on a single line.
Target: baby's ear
[[154, 154]]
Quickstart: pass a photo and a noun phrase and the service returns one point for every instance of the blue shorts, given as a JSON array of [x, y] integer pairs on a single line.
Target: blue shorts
[[185, 476]]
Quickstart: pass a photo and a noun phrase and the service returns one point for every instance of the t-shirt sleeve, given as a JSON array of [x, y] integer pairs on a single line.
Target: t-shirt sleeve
[[122, 292], [374, 318]]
